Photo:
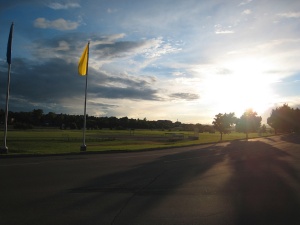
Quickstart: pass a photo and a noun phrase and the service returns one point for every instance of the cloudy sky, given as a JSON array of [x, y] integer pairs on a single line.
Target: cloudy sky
[[160, 59]]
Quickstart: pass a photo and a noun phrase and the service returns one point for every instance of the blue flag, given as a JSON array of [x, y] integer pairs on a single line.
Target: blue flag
[[9, 44]]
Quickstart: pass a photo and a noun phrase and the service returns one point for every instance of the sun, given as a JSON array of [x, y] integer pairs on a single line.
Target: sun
[[246, 86]]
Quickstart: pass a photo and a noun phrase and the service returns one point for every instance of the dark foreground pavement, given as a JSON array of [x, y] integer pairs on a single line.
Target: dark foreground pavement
[[241, 182]]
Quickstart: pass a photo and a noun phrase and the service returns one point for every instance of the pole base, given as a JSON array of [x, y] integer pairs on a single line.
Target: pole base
[[83, 148], [4, 150]]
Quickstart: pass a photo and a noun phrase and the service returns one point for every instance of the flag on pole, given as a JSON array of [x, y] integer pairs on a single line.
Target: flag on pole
[[4, 149], [9, 44], [83, 65], [83, 62]]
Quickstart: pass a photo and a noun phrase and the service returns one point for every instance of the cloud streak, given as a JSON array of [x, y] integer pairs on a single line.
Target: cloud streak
[[290, 15], [185, 96], [58, 24], [68, 5]]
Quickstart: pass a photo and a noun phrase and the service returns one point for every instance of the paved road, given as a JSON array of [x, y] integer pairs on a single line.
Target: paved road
[[241, 182]]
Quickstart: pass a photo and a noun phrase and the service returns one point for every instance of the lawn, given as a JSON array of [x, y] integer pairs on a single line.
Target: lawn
[[55, 141]]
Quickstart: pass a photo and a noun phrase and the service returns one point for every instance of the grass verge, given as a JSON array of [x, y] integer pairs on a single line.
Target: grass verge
[[43, 141]]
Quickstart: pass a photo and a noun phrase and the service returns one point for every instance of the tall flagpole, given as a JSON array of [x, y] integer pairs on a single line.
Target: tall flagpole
[[4, 148], [83, 146]]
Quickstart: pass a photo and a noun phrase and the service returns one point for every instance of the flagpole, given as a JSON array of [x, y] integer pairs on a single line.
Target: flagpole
[[4, 148], [83, 146]]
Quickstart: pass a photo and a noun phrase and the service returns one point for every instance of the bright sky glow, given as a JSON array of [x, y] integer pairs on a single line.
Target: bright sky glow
[[161, 59]]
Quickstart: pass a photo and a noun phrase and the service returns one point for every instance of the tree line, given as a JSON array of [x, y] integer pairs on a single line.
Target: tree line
[[37, 118], [282, 119]]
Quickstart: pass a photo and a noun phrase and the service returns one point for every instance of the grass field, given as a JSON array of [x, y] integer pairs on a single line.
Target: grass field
[[55, 141]]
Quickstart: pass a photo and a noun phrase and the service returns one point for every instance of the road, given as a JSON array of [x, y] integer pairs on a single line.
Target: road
[[240, 182]]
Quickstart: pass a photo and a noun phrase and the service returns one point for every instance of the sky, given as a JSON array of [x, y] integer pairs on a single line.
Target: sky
[[184, 60]]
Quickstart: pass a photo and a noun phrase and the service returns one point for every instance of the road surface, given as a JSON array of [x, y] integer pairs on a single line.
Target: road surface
[[239, 182]]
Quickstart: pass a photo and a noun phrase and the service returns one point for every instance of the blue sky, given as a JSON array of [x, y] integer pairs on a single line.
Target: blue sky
[[160, 59]]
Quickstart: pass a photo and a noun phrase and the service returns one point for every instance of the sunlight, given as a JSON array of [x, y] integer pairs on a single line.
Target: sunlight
[[246, 86]]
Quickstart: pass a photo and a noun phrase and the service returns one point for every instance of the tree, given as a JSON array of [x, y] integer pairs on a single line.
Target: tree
[[297, 120], [248, 122], [283, 119], [223, 123]]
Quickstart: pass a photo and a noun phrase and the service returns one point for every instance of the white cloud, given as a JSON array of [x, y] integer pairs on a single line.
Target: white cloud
[[221, 30], [290, 15], [110, 39], [59, 24], [69, 5], [247, 12], [158, 47], [109, 10], [224, 32], [177, 73], [245, 2]]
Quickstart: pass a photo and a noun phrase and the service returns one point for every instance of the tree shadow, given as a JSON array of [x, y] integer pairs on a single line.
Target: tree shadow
[[156, 179], [263, 186]]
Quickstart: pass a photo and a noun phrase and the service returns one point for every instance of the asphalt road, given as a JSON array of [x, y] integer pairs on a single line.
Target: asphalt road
[[240, 182]]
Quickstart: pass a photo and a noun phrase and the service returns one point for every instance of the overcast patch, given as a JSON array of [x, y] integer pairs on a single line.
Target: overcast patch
[[224, 71], [117, 49], [56, 83], [185, 96], [109, 10]]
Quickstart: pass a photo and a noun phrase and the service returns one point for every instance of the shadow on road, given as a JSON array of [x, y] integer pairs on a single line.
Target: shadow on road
[[263, 185], [160, 177], [293, 138], [261, 189]]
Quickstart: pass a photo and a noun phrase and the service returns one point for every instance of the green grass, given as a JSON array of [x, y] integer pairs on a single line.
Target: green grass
[[52, 141]]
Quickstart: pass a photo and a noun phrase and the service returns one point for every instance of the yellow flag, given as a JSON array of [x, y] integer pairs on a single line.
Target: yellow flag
[[83, 62]]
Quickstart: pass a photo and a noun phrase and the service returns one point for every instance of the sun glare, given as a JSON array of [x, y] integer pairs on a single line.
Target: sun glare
[[246, 86]]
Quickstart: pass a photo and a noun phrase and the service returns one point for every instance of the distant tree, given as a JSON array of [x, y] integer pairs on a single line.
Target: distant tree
[[123, 122], [223, 123], [113, 122], [50, 119], [2, 116], [199, 127], [73, 126], [263, 129], [164, 124], [248, 122], [37, 116]]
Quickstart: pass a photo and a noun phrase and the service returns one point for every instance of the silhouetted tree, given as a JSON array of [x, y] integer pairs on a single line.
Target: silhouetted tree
[[284, 119], [248, 122], [297, 120], [223, 123], [50, 119]]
